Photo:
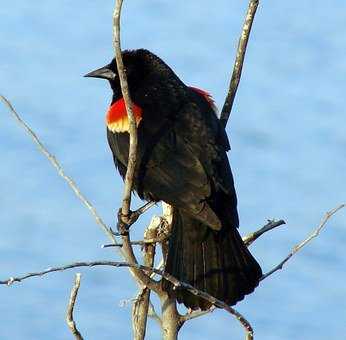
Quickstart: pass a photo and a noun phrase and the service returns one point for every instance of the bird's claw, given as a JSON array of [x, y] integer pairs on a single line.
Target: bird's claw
[[125, 221]]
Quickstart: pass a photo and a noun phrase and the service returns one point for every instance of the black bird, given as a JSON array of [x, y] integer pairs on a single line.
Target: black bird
[[182, 161]]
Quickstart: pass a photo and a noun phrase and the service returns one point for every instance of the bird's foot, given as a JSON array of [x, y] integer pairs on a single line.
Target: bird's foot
[[125, 221]]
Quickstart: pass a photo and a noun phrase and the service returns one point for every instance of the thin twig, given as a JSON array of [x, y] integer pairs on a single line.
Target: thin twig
[[126, 248], [144, 208], [239, 61], [248, 239], [52, 159], [160, 239], [59, 168], [195, 314], [176, 283], [69, 314], [133, 243], [131, 164], [179, 284], [12, 280], [299, 246]]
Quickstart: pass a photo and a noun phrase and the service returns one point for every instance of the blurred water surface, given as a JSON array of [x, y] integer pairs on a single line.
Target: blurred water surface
[[288, 138]]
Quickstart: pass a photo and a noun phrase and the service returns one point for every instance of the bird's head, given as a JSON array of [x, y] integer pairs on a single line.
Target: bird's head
[[141, 66]]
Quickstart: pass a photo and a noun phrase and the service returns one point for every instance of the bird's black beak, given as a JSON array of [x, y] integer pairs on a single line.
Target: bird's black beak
[[103, 72]]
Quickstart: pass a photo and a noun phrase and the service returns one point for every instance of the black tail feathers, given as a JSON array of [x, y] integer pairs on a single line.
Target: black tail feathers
[[216, 262]]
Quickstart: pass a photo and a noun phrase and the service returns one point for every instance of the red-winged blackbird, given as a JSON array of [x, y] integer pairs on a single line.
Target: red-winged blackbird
[[182, 160]]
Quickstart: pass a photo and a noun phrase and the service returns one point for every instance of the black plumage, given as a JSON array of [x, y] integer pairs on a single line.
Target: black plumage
[[182, 160]]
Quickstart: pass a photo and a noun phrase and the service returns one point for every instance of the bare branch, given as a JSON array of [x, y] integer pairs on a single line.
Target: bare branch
[[140, 307], [248, 239], [217, 303], [128, 104], [169, 316], [239, 61], [144, 208], [176, 283], [195, 314], [140, 313], [12, 280], [124, 216], [133, 243], [143, 278], [299, 246], [139, 243], [69, 315], [52, 159]]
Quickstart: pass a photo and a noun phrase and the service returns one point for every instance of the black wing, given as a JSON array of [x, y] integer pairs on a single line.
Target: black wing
[[185, 164], [189, 168]]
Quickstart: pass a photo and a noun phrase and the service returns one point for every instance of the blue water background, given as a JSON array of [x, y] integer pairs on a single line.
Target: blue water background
[[288, 138]]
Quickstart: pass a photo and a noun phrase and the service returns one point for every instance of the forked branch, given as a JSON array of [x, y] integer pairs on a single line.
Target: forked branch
[[176, 283]]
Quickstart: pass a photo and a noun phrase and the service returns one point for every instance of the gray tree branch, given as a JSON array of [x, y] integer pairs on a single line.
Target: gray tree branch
[[299, 246], [176, 283], [132, 160], [140, 308], [248, 239], [195, 314], [239, 61], [69, 314], [125, 215]]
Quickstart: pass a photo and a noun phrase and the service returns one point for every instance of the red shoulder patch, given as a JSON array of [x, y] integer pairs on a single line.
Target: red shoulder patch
[[117, 112]]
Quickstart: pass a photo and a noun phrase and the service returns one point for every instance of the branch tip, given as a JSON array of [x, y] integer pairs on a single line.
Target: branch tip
[[70, 308], [239, 61]]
